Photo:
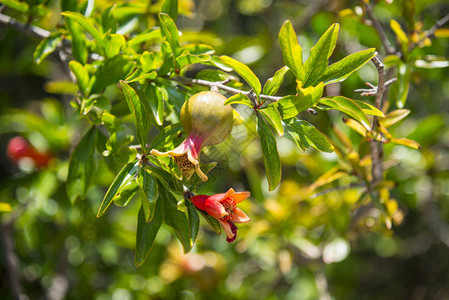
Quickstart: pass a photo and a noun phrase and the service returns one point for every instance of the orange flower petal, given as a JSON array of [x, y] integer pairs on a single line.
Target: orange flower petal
[[239, 216]]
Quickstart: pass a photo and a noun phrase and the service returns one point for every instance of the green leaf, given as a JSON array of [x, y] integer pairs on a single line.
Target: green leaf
[[146, 233], [214, 224], [81, 166], [341, 70], [149, 193], [167, 179], [170, 32], [133, 78], [111, 71], [147, 61], [170, 7], [349, 107], [46, 47], [271, 158], [272, 85], [271, 114], [305, 135], [239, 99], [82, 77], [176, 219], [167, 137], [291, 51], [406, 142], [189, 59], [394, 117], [154, 98], [369, 109], [87, 26], [399, 89], [23, 7], [198, 49], [144, 37], [319, 56], [194, 221], [126, 193], [79, 49], [113, 44], [138, 111], [125, 175], [291, 106], [244, 71]]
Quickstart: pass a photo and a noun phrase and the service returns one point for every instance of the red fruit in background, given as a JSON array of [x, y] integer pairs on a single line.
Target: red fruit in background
[[18, 148]]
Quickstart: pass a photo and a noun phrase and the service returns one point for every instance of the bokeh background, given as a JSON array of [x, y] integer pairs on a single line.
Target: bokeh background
[[298, 245]]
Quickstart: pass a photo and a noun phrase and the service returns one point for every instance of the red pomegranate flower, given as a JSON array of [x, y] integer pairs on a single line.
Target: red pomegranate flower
[[223, 207]]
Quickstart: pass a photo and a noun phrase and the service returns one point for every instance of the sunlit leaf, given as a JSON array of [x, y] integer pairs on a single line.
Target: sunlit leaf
[[271, 114], [272, 85], [349, 107], [244, 71], [46, 47], [239, 99], [305, 135], [291, 51], [126, 174], [341, 70], [394, 117], [406, 142], [170, 32], [319, 56], [82, 77], [149, 193]]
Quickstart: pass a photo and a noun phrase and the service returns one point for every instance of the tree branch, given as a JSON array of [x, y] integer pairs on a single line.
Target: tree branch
[[431, 32], [383, 37]]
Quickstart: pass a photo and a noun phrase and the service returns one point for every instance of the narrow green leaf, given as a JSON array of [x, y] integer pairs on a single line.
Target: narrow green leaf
[[154, 98], [138, 111], [399, 89], [291, 51], [81, 166], [86, 25], [198, 49], [146, 233], [125, 175], [126, 193], [369, 109], [167, 137], [23, 7], [239, 99], [189, 59], [147, 61], [149, 191], [170, 7], [244, 71], [406, 142], [273, 84], [271, 114], [79, 48], [394, 117], [319, 55], [194, 221], [144, 37], [341, 70], [82, 77], [291, 106], [111, 71], [214, 224], [167, 179], [176, 219], [270, 153], [305, 135], [349, 107], [170, 32], [46, 47]]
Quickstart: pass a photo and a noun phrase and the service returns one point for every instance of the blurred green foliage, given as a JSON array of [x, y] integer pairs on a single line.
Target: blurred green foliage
[[308, 239]]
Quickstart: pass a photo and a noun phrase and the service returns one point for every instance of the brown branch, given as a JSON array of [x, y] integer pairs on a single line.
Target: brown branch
[[11, 261], [430, 34], [383, 37]]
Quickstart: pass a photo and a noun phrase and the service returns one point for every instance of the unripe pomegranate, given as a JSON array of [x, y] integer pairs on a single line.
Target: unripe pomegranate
[[18, 148], [206, 121]]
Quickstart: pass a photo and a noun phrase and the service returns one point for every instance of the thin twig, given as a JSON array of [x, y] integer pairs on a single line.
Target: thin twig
[[383, 37], [430, 34]]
